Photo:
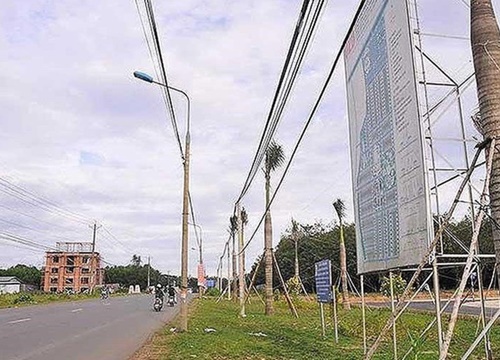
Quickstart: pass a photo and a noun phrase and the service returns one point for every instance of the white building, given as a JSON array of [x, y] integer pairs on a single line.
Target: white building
[[10, 285]]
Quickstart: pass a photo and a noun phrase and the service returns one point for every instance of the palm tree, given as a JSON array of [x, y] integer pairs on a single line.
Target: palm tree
[[273, 160], [244, 222], [233, 229], [485, 42], [339, 207]]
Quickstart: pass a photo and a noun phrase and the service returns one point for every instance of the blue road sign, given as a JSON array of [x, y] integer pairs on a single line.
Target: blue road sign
[[323, 277]]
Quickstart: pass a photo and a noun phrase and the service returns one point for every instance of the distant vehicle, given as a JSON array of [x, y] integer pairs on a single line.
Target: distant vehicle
[[171, 300], [158, 304]]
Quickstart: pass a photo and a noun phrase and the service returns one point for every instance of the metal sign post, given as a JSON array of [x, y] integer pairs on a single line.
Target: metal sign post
[[335, 318]]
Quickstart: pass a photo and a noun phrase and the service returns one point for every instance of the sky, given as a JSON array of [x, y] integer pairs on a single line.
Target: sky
[[81, 132]]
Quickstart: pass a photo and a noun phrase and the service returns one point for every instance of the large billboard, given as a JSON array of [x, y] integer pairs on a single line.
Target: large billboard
[[388, 168]]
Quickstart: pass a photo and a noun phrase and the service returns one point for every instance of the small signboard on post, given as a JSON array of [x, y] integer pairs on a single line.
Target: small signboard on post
[[323, 278]]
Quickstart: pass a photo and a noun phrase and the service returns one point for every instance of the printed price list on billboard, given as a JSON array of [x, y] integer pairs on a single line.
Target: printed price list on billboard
[[323, 278]]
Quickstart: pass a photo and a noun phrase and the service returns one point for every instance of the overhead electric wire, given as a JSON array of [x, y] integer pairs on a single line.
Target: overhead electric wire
[[21, 240], [311, 115], [26, 227], [263, 143], [155, 52], [114, 238], [37, 201], [193, 219], [37, 219], [297, 61]]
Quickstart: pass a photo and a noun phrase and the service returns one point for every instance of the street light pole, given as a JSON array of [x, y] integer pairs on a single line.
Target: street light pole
[[185, 204]]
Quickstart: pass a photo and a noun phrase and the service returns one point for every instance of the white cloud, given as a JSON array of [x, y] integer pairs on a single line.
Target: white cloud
[[78, 129]]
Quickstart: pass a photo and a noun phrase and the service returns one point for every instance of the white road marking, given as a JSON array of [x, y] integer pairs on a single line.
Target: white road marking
[[76, 310], [19, 321]]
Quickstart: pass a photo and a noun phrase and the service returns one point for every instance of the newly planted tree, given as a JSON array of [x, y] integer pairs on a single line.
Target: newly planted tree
[[243, 220], [339, 207], [233, 229], [273, 160]]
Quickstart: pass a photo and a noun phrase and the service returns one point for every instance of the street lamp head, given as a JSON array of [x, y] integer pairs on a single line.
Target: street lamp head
[[143, 76]]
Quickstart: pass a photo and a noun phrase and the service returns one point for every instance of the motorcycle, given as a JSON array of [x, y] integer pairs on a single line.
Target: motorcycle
[[158, 304], [171, 301]]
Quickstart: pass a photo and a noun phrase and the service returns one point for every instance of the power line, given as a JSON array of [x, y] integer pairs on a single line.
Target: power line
[[295, 55], [193, 219], [21, 240], [155, 53], [311, 115], [38, 201]]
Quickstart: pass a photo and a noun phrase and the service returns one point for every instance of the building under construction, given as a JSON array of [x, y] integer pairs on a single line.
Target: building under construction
[[72, 267]]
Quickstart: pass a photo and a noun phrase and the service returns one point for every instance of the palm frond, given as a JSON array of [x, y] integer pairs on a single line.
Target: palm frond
[[339, 207], [244, 216], [275, 157], [233, 224]]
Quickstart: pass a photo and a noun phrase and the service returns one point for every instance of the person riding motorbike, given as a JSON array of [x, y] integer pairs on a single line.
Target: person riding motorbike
[[159, 292], [171, 294]]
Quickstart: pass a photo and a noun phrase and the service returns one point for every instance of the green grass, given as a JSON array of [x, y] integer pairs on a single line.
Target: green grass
[[25, 299], [291, 338]]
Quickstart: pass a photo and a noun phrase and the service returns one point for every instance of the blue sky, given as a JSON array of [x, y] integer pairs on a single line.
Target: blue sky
[[78, 129]]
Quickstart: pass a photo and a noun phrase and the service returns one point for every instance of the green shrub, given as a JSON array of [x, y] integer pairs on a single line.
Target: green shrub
[[24, 298], [212, 292], [399, 285]]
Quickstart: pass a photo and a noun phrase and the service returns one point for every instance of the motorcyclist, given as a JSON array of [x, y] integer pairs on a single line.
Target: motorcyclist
[[159, 292], [171, 292]]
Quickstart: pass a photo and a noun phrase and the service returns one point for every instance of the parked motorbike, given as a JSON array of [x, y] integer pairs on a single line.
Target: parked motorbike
[[158, 304], [171, 301]]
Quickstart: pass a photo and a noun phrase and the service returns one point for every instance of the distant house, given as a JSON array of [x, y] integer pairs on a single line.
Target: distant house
[[10, 285]]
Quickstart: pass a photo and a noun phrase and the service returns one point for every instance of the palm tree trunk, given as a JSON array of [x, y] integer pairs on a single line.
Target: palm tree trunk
[[234, 266], [268, 246], [343, 270], [296, 259], [485, 42]]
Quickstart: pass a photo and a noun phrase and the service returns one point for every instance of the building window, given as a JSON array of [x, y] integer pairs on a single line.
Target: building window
[[68, 281], [55, 259], [54, 270], [53, 280], [53, 289], [70, 261], [69, 270], [85, 271], [86, 260], [85, 280]]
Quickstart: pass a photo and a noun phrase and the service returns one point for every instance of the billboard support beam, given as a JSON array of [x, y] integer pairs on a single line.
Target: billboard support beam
[[400, 307], [473, 247]]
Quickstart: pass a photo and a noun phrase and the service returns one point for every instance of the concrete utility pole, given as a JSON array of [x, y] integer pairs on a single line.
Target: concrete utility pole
[[185, 202], [93, 263], [149, 273], [185, 215]]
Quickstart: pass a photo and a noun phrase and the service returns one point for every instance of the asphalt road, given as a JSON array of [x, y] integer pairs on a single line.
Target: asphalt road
[[467, 308], [91, 329]]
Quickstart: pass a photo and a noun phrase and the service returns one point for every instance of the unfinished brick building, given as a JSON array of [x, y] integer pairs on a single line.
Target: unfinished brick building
[[73, 267]]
